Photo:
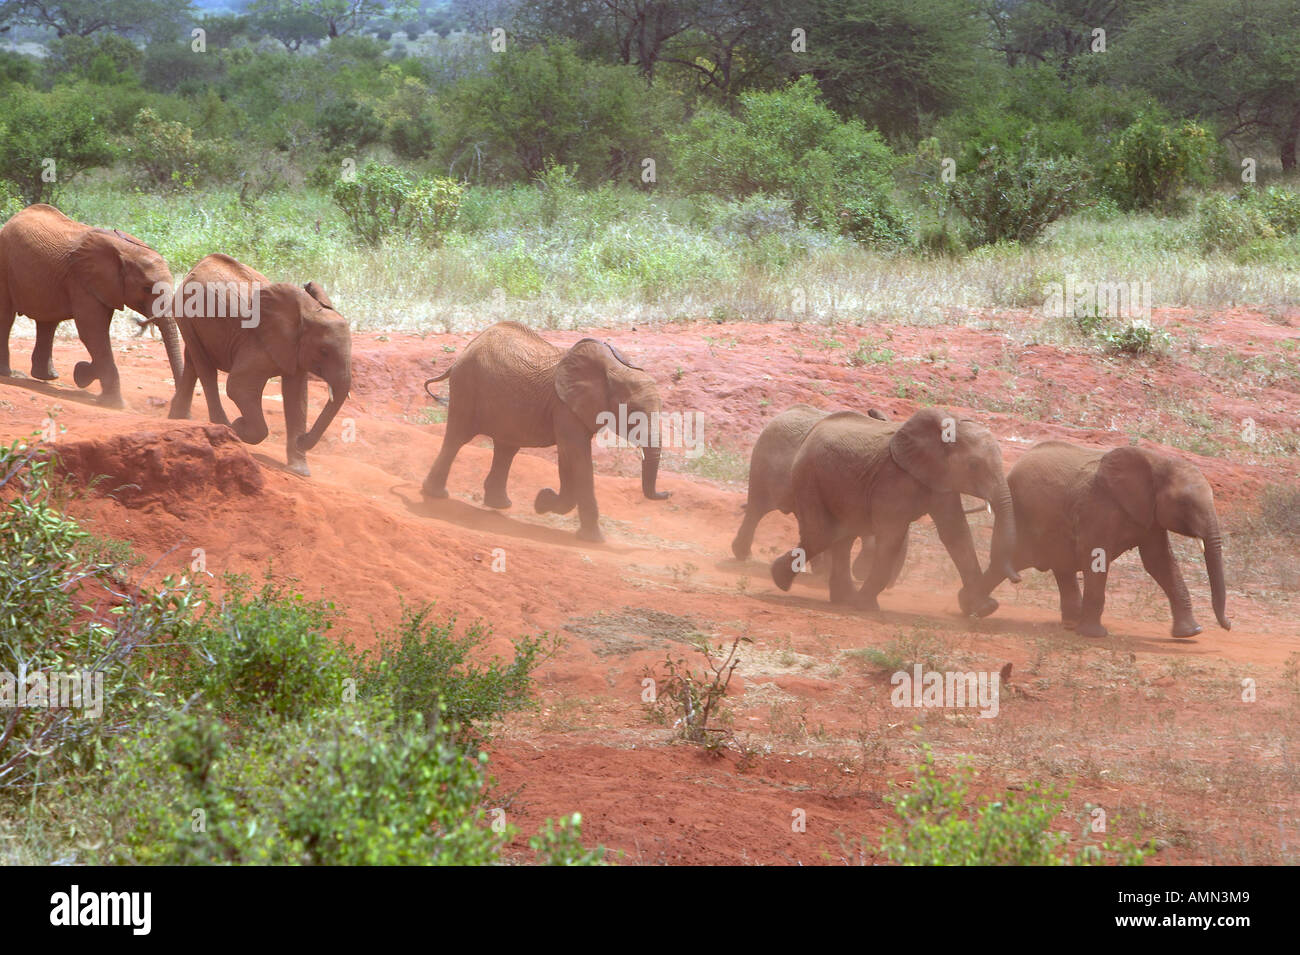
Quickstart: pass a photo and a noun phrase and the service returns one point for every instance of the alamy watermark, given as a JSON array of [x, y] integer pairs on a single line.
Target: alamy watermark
[[52, 690], [951, 688], [1074, 298], [656, 429], [239, 300]]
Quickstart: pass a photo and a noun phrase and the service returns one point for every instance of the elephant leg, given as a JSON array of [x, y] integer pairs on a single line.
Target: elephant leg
[[889, 538], [1158, 559], [744, 540], [582, 485], [184, 396], [43, 353], [245, 390], [1094, 598], [841, 583], [458, 433], [1067, 582], [295, 421], [93, 329], [7, 316], [950, 520], [815, 536], [494, 488]]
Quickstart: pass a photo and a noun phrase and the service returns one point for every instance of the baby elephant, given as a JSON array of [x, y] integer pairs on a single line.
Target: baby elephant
[[523, 392], [769, 481], [854, 475], [1078, 509], [236, 320]]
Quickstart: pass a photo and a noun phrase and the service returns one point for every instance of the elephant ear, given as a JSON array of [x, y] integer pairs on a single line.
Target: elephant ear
[[97, 265], [582, 380], [315, 291], [919, 449], [279, 326], [1125, 474]]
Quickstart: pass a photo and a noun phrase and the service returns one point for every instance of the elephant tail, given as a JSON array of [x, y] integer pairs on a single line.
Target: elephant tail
[[428, 382]]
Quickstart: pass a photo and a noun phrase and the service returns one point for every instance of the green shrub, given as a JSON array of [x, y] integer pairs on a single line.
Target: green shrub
[[941, 827], [1153, 162], [1227, 223], [426, 670], [165, 155], [1015, 197], [380, 201], [788, 143], [10, 201], [342, 787], [349, 124], [52, 584], [264, 653], [562, 844], [37, 128]]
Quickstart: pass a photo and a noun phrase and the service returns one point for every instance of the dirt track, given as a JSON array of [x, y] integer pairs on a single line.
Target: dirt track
[[1149, 727]]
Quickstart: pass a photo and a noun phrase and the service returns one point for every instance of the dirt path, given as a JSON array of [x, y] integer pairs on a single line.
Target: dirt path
[[1151, 728]]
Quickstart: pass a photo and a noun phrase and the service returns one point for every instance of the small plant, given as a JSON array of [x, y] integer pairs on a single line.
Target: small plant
[[562, 844], [940, 826], [1137, 338], [694, 702], [425, 669], [868, 354]]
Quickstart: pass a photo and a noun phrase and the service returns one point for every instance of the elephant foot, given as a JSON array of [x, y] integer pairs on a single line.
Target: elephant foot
[[246, 436], [1069, 623], [1095, 630], [548, 502], [7, 372], [591, 534], [434, 493], [45, 374], [83, 373], [111, 401], [1188, 629], [299, 468], [782, 572], [973, 606], [866, 603], [496, 499], [741, 551]]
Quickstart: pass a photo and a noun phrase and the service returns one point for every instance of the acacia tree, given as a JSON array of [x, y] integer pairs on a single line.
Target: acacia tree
[[86, 17], [334, 18], [1236, 63]]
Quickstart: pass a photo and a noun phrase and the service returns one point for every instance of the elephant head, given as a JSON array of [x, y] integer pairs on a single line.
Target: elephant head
[[954, 455], [299, 328], [594, 381], [1155, 490], [120, 271]]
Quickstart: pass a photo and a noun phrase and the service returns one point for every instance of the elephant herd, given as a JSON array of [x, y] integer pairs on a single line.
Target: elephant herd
[[844, 475]]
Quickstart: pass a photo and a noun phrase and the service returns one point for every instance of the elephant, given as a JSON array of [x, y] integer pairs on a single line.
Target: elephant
[[769, 482], [854, 475], [53, 268], [523, 392], [234, 319], [1078, 509]]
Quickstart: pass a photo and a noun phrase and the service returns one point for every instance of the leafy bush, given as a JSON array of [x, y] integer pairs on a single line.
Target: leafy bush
[[562, 844], [545, 104], [51, 581], [1015, 197], [788, 143], [344, 787], [1226, 223], [380, 200], [425, 669], [349, 124], [1138, 337], [264, 653], [10, 201], [37, 128], [941, 827], [1153, 162], [166, 155]]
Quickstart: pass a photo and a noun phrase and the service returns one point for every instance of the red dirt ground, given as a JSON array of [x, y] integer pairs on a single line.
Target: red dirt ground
[[1151, 728]]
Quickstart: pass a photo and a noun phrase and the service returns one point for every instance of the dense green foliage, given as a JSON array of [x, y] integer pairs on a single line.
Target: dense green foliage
[[230, 730]]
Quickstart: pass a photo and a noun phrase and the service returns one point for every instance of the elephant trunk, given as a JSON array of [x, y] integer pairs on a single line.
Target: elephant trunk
[[650, 474], [1214, 567], [338, 394], [171, 337], [1004, 533]]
